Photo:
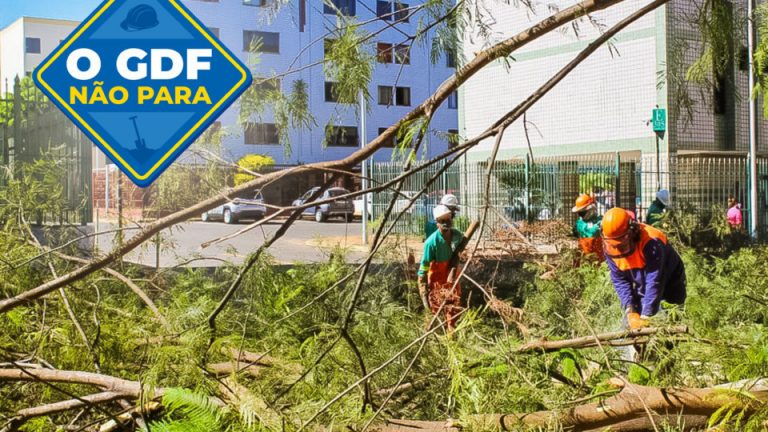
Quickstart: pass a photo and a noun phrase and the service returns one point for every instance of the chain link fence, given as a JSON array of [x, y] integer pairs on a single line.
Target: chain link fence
[[541, 192]]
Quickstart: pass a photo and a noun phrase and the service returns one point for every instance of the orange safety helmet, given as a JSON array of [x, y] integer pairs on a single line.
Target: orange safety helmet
[[619, 230], [582, 202]]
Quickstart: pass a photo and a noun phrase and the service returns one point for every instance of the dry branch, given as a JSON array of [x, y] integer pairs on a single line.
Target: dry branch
[[619, 338], [104, 382]]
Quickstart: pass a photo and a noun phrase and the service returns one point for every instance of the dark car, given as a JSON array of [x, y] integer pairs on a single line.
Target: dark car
[[342, 207], [238, 209]]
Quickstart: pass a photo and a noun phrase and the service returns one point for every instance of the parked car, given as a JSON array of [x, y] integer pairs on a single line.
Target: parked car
[[343, 207], [238, 209], [540, 209], [358, 202]]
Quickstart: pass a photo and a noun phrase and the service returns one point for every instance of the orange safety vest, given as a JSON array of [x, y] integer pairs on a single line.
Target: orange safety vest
[[637, 260]]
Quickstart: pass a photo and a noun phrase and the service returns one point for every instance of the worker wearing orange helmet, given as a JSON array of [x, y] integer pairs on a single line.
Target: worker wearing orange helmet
[[587, 228], [644, 267]]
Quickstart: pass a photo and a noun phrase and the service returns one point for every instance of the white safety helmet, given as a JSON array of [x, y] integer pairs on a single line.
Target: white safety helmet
[[440, 211], [663, 196], [450, 201]]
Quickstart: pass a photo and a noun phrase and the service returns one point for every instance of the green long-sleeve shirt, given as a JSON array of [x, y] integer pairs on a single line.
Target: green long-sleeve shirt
[[437, 249], [589, 228], [655, 213]]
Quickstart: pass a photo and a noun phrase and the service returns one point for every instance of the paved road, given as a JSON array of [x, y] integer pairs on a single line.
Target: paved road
[[306, 241]]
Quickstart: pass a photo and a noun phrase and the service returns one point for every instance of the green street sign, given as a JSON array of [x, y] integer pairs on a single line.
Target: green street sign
[[659, 120]]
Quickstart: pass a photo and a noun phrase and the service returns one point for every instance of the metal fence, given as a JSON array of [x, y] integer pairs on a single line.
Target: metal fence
[[542, 191], [31, 127]]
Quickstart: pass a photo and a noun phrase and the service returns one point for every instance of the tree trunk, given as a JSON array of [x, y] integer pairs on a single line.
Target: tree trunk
[[620, 338], [635, 408]]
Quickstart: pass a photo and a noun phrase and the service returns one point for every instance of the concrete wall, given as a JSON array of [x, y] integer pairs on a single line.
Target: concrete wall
[[11, 54], [13, 58], [232, 18], [602, 106]]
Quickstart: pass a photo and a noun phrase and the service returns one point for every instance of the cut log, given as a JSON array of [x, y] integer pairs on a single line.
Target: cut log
[[636, 408], [620, 338]]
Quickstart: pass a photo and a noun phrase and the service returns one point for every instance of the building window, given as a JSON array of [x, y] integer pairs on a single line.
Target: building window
[[450, 58], [385, 95], [719, 96], [401, 12], [384, 52], [32, 45], [384, 10], [331, 92], [453, 138], [391, 141], [453, 101], [255, 2], [403, 54], [343, 136], [403, 96], [302, 15], [327, 44], [261, 134], [344, 7], [269, 41], [215, 31], [263, 85]]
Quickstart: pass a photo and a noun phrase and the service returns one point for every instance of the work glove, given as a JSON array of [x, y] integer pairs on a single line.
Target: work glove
[[635, 321], [423, 293]]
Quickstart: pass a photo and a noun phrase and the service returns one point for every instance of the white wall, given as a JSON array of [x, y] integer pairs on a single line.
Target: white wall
[[13, 59], [603, 104], [11, 54]]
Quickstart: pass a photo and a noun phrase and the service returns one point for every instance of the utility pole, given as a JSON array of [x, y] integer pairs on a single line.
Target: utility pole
[[753, 217], [364, 165]]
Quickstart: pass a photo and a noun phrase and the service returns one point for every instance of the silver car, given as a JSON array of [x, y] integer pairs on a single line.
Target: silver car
[[342, 207], [238, 209]]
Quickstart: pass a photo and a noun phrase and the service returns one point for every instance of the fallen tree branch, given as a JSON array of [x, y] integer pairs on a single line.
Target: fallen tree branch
[[619, 338], [105, 382], [58, 407], [686, 408], [129, 283]]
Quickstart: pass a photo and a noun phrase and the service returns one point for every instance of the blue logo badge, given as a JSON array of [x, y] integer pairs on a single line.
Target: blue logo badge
[[143, 79]]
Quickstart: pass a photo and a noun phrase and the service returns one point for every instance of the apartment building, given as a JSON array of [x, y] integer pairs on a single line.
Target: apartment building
[[605, 104], [26, 42], [293, 39]]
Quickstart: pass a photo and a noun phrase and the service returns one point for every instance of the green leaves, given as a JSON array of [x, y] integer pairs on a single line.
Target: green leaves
[[349, 63], [188, 411]]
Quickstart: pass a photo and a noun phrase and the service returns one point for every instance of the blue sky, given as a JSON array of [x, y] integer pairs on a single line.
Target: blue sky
[[11, 10]]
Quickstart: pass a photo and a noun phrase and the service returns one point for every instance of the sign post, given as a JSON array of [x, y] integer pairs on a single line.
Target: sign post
[[659, 120]]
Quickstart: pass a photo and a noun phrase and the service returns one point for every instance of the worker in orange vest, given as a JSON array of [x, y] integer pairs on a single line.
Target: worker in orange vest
[[587, 228], [645, 268]]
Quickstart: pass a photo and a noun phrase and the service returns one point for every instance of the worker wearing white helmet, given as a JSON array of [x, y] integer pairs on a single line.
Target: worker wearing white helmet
[[434, 287], [450, 201], [658, 207]]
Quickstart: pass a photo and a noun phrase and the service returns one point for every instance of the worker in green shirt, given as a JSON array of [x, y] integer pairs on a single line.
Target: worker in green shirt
[[658, 208], [587, 228], [435, 288]]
